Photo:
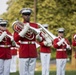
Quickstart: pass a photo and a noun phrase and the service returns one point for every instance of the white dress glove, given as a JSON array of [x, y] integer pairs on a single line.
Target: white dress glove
[[45, 43], [48, 44], [68, 47], [38, 38], [61, 41], [24, 30], [46, 35], [3, 35]]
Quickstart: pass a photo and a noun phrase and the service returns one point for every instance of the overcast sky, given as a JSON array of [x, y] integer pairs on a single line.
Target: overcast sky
[[3, 6]]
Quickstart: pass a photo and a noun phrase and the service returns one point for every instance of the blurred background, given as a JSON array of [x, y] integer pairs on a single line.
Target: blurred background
[[55, 13]]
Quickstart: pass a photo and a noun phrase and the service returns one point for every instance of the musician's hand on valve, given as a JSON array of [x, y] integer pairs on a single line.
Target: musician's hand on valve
[[48, 44], [24, 30], [26, 25], [61, 41], [38, 38], [3, 35], [46, 35], [68, 47], [45, 43]]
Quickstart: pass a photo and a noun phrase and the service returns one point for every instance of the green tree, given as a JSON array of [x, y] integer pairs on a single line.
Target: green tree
[[56, 13]]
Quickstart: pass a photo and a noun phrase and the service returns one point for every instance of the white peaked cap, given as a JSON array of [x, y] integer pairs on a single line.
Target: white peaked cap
[[61, 30], [45, 25], [25, 10], [3, 22]]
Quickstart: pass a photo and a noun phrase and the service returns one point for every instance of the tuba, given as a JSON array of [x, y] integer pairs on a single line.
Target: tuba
[[18, 26]]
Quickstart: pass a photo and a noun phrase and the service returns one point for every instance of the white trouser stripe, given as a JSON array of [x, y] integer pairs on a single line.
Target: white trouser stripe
[[27, 66], [61, 63], [45, 61]]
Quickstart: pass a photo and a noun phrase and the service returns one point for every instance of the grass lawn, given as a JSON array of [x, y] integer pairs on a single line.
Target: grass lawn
[[51, 73], [70, 69]]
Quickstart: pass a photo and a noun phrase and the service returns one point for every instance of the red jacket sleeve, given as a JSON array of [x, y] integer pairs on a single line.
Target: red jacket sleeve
[[16, 37], [55, 43], [73, 42]]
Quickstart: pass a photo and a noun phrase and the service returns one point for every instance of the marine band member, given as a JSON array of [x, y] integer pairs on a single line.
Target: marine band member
[[74, 43], [27, 50], [45, 50], [61, 44], [5, 52]]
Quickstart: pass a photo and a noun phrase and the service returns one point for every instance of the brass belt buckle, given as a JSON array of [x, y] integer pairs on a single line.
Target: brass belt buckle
[[6, 46], [29, 42]]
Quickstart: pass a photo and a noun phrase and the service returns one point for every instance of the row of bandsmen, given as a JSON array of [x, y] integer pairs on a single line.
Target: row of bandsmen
[[8, 50], [26, 39]]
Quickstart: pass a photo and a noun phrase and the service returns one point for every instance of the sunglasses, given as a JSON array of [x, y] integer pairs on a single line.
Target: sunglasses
[[46, 27], [3, 25], [61, 32], [26, 14]]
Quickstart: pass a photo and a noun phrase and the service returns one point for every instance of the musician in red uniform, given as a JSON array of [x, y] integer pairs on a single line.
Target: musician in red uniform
[[45, 50], [61, 44], [5, 44], [74, 43], [14, 59], [27, 50]]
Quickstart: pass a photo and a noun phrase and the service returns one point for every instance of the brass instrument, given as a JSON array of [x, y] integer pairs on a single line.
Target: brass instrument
[[52, 37], [11, 37], [18, 26]]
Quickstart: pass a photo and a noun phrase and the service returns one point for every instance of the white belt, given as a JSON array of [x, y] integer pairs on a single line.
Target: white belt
[[13, 48], [61, 49], [29, 42], [5, 46]]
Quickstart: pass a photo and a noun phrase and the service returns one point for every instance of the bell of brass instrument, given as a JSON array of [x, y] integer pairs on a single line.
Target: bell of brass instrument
[[17, 26]]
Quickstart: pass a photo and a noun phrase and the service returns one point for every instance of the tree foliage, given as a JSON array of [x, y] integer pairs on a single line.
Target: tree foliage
[[55, 13]]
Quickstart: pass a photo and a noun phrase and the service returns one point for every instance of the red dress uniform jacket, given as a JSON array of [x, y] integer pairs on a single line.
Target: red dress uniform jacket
[[61, 50], [74, 44], [27, 50], [74, 41], [43, 48], [13, 51], [5, 52]]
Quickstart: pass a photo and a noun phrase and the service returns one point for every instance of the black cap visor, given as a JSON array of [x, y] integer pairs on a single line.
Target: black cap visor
[[3, 25], [61, 31], [28, 13]]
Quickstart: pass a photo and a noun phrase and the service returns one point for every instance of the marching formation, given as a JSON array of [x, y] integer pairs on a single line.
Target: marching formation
[[23, 44]]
